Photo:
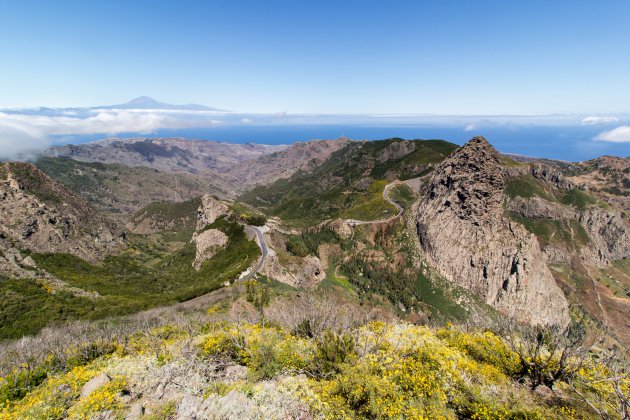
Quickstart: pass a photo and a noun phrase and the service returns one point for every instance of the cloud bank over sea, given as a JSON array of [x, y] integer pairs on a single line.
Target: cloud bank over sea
[[25, 132]]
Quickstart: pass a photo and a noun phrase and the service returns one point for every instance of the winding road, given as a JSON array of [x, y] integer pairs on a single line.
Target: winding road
[[388, 187], [260, 235], [205, 300], [263, 249]]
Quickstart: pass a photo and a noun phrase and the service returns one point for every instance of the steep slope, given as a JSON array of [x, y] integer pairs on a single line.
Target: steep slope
[[583, 232], [607, 177], [165, 216], [466, 235], [301, 156], [350, 182], [41, 215], [123, 190]]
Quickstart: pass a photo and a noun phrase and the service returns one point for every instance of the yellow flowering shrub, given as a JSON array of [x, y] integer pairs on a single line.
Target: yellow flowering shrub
[[53, 398], [380, 370], [265, 350], [413, 372], [106, 398], [485, 347], [153, 340]]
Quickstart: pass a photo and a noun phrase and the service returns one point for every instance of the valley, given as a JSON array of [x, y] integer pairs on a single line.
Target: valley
[[406, 238]]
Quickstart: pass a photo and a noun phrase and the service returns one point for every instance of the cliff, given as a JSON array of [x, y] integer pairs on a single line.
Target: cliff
[[467, 237]]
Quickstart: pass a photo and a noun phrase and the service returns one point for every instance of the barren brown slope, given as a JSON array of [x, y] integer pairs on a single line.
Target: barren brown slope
[[39, 214]]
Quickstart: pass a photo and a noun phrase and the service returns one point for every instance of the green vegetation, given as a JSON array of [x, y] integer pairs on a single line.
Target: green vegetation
[[247, 215], [384, 274], [179, 218], [125, 283], [577, 198], [27, 307], [569, 233], [308, 242], [526, 186], [121, 189], [617, 277], [403, 195], [350, 182], [566, 232], [371, 205], [509, 162], [401, 286]]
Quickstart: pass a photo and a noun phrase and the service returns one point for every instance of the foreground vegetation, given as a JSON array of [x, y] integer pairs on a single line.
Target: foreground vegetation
[[295, 356]]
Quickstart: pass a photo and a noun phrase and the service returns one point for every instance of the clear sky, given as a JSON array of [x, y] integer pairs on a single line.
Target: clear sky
[[442, 57]]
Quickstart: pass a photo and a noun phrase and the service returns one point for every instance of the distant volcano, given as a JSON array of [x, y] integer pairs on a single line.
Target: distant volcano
[[145, 102]]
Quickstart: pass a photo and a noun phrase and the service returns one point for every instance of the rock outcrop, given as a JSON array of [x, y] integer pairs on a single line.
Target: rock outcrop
[[609, 235], [40, 214], [207, 244], [209, 211], [208, 241], [303, 272], [466, 236]]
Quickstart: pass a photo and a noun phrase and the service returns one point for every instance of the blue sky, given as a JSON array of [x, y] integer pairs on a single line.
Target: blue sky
[[439, 57]]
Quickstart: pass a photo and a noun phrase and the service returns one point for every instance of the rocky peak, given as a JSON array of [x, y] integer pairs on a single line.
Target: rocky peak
[[470, 182], [466, 236]]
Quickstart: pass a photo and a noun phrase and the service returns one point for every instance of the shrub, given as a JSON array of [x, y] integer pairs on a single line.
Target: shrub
[[332, 350], [486, 347], [105, 398]]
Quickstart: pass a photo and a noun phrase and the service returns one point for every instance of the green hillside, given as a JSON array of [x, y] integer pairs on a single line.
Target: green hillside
[[349, 183], [146, 275]]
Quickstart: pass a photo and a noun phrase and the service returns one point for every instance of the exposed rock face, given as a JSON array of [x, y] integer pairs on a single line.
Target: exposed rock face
[[39, 214], [306, 272], [465, 234], [209, 211], [609, 235], [550, 175], [396, 150], [208, 243], [541, 171]]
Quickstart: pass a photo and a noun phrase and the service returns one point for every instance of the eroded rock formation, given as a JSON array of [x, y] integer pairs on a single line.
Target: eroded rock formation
[[467, 237], [209, 211]]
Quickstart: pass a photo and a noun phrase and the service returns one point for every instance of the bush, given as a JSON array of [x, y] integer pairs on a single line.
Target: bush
[[332, 350], [486, 347]]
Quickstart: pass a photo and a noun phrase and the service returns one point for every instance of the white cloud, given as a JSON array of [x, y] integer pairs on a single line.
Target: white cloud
[[599, 120], [618, 135], [21, 142], [104, 122], [22, 135], [470, 127], [246, 121]]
